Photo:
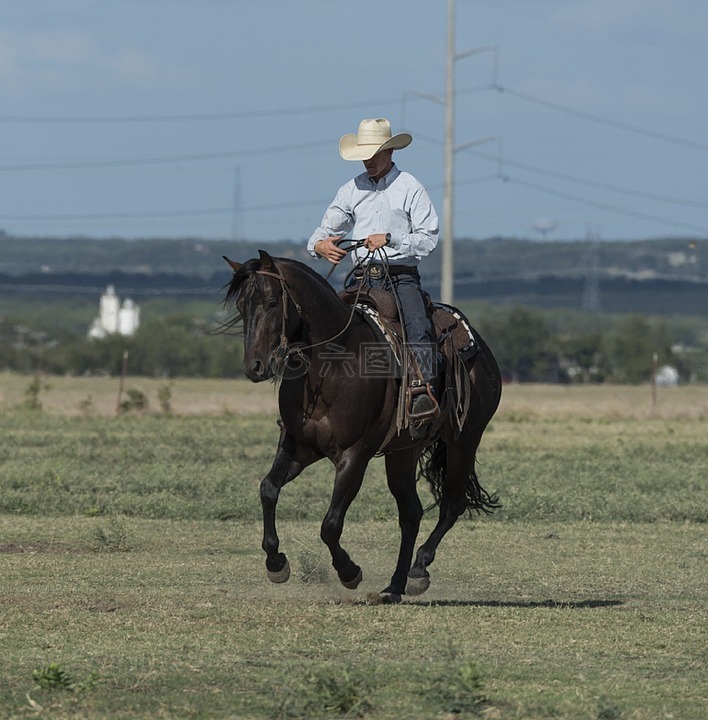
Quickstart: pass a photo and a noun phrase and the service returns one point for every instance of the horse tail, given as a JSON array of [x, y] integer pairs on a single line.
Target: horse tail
[[433, 464]]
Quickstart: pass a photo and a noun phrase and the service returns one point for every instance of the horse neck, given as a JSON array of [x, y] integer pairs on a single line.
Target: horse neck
[[325, 315]]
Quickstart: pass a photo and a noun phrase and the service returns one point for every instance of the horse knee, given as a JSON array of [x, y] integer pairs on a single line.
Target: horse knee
[[410, 522], [269, 491], [330, 532]]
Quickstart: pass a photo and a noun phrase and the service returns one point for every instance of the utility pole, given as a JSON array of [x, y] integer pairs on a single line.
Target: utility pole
[[447, 274], [447, 271]]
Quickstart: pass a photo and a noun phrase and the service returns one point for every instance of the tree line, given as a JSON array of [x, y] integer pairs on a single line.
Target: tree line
[[167, 346], [530, 346], [533, 347]]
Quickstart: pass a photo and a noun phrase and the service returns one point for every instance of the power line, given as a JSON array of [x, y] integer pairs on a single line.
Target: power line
[[160, 213], [192, 117], [568, 178], [160, 160], [606, 206], [665, 137], [595, 184], [308, 203], [482, 179], [225, 155], [207, 117]]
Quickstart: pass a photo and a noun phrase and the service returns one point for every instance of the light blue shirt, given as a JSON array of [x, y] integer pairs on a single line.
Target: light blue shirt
[[396, 204]]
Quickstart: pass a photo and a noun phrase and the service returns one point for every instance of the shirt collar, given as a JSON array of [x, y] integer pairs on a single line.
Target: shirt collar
[[385, 181]]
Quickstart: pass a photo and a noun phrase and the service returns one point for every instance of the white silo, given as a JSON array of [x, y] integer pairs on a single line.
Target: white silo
[[109, 309], [128, 318]]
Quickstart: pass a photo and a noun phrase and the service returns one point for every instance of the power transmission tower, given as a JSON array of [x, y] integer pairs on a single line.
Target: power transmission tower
[[237, 207], [591, 291]]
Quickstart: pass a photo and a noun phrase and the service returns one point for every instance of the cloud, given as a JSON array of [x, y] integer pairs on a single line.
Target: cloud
[[630, 16], [605, 15], [133, 67], [39, 59], [41, 63]]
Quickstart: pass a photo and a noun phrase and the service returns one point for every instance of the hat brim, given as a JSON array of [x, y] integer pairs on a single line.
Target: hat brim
[[350, 149]]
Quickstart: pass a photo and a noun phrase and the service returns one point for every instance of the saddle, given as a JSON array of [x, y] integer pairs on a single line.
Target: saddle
[[380, 300], [448, 322], [455, 341]]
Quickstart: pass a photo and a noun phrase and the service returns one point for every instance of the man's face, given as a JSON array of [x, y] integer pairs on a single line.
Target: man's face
[[380, 164]]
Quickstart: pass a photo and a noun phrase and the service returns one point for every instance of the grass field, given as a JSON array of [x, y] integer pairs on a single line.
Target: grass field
[[68, 396], [132, 582]]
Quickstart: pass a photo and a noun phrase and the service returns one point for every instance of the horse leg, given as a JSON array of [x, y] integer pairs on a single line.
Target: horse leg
[[459, 469], [347, 482], [290, 460], [401, 478]]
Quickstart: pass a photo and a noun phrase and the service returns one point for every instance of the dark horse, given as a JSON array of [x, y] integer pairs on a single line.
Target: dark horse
[[292, 319]]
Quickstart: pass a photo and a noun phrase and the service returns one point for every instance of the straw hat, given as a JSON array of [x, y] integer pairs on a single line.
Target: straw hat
[[373, 136]]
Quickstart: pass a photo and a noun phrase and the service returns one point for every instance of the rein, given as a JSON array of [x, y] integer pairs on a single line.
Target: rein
[[357, 244], [284, 350]]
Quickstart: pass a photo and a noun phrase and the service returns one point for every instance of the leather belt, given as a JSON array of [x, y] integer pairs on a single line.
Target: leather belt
[[376, 270]]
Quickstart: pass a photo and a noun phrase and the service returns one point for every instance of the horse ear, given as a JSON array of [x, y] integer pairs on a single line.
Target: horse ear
[[232, 263], [267, 261]]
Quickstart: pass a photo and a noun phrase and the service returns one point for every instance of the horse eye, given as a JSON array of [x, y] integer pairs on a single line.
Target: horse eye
[[272, 303]]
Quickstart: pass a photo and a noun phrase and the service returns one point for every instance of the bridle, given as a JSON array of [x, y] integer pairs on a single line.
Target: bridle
[[285, 349]]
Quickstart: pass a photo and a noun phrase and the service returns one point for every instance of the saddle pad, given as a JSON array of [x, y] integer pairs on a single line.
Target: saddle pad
[[385, 332]]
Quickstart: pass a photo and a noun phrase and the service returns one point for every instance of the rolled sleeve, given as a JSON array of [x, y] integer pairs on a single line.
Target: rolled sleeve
[[423, 238], [337, 220]]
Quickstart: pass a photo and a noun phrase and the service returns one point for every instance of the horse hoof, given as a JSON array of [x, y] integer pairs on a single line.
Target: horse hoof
[[354, 583], [417, 585], [383, 598], [279, 576], [389, 598]]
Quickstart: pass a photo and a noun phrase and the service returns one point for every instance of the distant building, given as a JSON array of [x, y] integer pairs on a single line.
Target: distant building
[[113, 317], [667, 376]]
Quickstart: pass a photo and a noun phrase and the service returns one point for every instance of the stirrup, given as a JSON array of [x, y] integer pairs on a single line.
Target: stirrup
[[415, 389]]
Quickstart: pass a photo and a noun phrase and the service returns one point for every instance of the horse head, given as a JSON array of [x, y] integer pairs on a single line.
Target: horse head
[[270, 318]]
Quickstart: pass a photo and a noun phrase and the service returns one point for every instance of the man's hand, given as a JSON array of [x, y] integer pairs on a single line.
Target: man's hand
[[328, 250], [374, 242]]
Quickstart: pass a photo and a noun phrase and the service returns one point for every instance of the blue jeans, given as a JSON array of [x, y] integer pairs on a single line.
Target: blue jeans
[[419, 330]]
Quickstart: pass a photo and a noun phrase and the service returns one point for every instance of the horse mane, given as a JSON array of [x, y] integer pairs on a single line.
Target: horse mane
[[239, 279], [315, 276], [244, 280]]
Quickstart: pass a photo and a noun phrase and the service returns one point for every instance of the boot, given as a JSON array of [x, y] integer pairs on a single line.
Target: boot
[[423, 410]]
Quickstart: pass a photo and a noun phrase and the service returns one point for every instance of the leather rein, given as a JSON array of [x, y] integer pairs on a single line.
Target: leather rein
[[284, 349]]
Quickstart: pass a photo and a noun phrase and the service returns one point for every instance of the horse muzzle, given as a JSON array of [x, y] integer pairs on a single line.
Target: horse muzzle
[[258, 370]]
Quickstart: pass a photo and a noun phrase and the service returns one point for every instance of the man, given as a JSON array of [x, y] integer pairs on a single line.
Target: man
[[386, 202]]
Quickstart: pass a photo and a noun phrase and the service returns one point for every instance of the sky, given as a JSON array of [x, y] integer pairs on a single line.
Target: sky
[[220, 119]]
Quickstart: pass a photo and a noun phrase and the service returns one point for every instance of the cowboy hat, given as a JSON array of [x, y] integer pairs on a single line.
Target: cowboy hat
[[373, 136]]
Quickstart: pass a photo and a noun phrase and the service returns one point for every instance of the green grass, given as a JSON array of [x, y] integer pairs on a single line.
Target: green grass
[[210, 467], [542, 620], [132, 582]]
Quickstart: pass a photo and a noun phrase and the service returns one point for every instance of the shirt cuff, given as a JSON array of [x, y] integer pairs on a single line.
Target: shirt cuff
[[396, 241]]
